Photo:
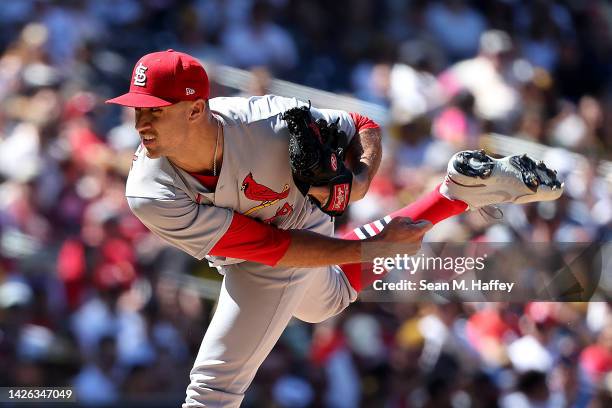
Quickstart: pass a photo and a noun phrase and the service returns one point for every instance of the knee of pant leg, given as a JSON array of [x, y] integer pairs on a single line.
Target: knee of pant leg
[[311, 319], [314, 319], [320, 307], [320, 313]]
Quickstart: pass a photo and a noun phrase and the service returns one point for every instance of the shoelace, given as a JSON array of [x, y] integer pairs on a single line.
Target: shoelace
[[491, 212]]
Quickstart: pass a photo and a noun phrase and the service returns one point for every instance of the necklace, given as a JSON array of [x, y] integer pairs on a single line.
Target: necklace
[[216, 147]]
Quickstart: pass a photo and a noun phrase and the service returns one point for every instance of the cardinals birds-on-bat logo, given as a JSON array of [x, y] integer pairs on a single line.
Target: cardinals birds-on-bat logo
[[286, 209], [258, 192]]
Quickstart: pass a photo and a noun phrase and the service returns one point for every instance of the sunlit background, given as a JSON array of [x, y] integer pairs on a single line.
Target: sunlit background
[[90, 299]]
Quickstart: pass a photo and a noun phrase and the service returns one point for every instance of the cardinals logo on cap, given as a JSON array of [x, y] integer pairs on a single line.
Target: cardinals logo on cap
[[140, 77]]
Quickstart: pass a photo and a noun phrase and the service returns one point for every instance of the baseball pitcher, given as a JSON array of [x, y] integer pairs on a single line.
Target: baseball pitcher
[[252, 184]]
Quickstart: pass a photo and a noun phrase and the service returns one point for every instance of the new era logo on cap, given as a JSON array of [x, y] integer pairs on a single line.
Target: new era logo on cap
[[165, 78]]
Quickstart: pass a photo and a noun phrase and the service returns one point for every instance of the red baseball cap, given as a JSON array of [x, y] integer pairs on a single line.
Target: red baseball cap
[[165, 78]]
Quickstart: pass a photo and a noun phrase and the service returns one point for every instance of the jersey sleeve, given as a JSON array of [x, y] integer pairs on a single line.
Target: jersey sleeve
[[202, 230], [363, 122], [345, 122], [191, 227]]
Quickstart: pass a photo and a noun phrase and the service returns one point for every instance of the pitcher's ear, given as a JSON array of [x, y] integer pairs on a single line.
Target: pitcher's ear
[[198, 108]]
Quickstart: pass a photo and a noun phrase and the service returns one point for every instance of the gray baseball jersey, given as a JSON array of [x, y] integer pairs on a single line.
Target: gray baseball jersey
[[255, 179]]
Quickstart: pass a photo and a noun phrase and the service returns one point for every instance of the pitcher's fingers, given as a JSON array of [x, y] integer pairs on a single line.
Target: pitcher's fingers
[[406, 220], [423, 225]]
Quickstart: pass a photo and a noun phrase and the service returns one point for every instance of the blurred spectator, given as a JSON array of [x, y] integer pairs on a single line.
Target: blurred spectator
[[596, 359], [531, 392], [98, 381], [456, 26], [70, 25], [530, 352], [486, 77], [259, 41], [457, 124]]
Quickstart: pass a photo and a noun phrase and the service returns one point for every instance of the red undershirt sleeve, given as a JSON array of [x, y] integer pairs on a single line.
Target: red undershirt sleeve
[[252, 240], [363, 122]]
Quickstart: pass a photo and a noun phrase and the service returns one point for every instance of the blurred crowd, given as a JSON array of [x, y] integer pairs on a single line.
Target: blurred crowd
[[90, 299]]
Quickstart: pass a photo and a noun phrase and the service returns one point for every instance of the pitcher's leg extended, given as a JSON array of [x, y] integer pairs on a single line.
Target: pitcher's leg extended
[[332, 290], [475, 180], [254, 308], [433, 207]]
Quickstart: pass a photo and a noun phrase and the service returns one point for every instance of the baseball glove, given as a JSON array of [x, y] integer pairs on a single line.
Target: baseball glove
[[316, 156]]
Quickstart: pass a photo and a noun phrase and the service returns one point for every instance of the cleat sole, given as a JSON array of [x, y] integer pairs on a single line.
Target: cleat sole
[[474, 163], [535, 174]]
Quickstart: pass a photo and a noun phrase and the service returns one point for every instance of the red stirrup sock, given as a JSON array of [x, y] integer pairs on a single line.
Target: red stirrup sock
[[433, 207]]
